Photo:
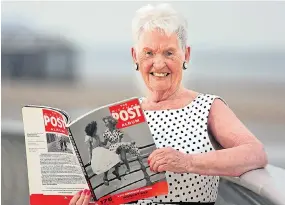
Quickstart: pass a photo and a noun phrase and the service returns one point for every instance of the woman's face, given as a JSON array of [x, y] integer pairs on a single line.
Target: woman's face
[[160, 60], [109, 124]]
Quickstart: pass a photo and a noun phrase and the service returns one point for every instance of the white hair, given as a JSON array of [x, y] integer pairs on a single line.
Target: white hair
[[162, 17]]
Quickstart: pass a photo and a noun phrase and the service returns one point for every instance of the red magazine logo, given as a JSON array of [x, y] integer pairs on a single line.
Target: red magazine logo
[[54, 122], [128, 113]]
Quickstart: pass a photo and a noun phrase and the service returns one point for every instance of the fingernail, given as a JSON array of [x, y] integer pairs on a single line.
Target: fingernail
[[148, 161], [80, 192], [85, 191], [88, 192]]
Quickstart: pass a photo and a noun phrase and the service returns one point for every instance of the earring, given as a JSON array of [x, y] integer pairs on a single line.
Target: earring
[[185, 66], [137, 66]]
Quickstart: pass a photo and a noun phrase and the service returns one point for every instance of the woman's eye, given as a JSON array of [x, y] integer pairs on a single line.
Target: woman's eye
[[149, 53], [169, 53]]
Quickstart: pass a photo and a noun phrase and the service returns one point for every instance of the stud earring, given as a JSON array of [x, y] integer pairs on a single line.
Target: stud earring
[[185, 66], [137, 67]]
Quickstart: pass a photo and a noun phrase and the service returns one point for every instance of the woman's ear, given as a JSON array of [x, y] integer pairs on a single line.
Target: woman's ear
[[134, 54], [187, 53]]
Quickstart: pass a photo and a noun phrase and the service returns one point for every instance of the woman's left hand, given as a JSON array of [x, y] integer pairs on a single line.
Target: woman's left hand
[[169, 159]]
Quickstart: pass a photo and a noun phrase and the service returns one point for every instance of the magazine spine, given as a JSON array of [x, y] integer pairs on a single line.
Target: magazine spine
[[81, 163]]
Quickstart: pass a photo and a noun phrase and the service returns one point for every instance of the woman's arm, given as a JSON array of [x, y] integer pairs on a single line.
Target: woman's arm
[[242, 150], [87, 141], [121, 135], [105, 140]]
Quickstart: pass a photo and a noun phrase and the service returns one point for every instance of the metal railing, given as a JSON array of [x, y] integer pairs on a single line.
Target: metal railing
[[265, 182]]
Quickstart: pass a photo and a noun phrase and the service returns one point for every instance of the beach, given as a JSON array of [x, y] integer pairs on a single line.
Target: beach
[[249, 100]]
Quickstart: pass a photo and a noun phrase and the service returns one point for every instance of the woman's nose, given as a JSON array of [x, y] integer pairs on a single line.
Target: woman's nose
[[158, 62]]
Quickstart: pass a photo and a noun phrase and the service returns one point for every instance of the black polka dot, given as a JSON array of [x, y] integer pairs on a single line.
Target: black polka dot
[[185, 128]]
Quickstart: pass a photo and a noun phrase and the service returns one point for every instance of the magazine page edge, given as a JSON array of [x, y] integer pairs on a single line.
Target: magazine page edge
[[63, 112], [99, 108], [78, 156]]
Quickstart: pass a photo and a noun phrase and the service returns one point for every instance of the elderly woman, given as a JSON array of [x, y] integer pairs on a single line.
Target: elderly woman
[[189, 127]]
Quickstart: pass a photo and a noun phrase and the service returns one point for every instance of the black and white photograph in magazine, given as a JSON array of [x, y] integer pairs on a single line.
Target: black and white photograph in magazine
[[58, 143], [115, 159]]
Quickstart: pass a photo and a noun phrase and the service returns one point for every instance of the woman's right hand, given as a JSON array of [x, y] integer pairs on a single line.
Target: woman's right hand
[[81, 198]]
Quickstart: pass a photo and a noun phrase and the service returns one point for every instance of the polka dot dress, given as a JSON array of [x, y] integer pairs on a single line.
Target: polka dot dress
[[185, 130]]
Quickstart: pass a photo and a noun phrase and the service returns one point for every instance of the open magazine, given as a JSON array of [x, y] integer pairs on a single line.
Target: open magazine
[[105, 151]]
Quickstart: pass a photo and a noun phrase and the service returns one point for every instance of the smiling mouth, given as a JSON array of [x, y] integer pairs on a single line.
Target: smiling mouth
[[159, 74]]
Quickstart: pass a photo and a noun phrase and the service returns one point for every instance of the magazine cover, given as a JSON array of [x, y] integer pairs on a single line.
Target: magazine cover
[[113, 144], [54, 171], [105, 151]]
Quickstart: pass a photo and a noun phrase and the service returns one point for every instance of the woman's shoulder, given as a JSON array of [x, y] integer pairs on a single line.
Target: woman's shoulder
[[106, 132], [207, 97], [87, 138], [186, 99], [191, 94], [201, 97]]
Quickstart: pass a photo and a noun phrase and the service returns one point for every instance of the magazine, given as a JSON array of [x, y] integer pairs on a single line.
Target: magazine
[[104, 150]]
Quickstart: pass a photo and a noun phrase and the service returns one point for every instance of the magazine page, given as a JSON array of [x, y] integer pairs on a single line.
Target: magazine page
[[54, 172], [114, 143]]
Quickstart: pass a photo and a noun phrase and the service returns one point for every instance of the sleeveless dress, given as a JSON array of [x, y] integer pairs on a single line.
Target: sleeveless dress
[[186, 130]]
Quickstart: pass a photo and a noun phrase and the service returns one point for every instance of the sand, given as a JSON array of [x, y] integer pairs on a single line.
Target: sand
[[249, 100]]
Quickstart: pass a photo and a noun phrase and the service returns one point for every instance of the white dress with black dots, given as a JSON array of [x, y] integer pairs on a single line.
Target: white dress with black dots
[[186, 130]]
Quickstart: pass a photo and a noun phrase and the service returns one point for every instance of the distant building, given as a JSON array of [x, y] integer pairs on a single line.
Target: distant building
[[30, 55]]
